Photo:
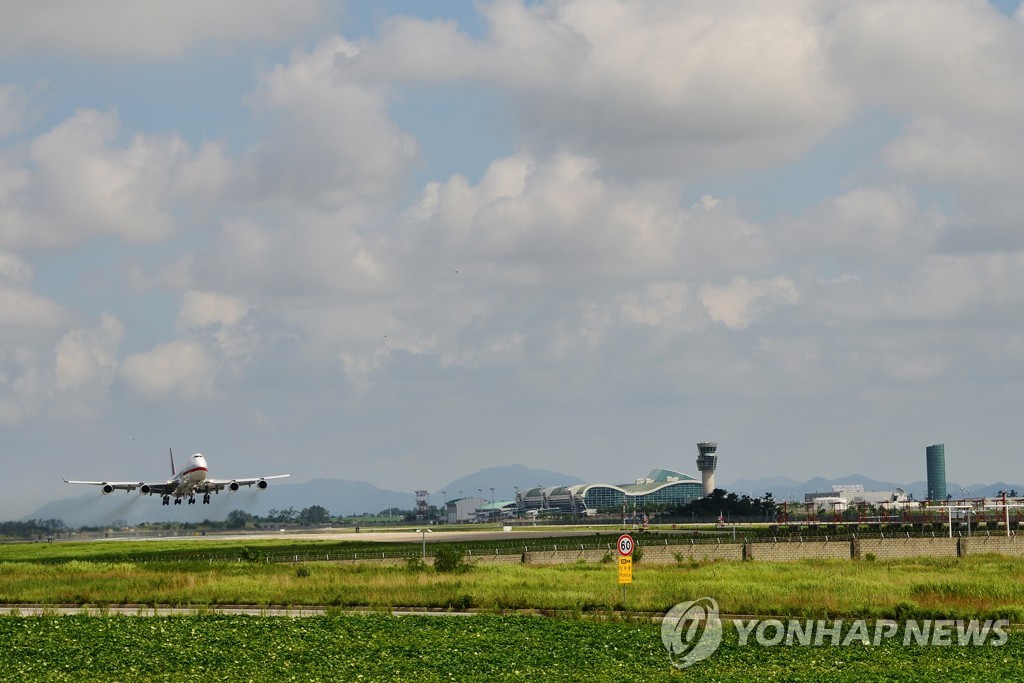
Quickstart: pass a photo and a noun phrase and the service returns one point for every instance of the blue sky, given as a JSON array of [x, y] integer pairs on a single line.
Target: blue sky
[[399, 242]]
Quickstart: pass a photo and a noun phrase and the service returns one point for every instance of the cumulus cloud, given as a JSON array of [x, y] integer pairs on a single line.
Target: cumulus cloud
[[556, 220], [329, 138], [181, 369], [869, 227], [220, 316], [659, 87], [123, 28], [89, 356], [78, 182], [21, 309], [742, 301], [952, 58]]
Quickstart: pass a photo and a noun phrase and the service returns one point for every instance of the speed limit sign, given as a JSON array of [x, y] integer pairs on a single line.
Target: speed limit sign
[[625, 545]]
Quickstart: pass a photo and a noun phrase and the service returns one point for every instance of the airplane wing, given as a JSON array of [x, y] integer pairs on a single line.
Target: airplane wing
[[111, 486], [209, 485]]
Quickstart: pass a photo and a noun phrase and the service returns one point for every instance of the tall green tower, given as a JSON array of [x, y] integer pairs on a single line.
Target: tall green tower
[[936, 461]]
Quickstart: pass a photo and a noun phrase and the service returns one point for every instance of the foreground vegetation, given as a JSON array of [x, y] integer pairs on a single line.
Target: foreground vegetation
[[595, 637], [481, 648], [970, 587]]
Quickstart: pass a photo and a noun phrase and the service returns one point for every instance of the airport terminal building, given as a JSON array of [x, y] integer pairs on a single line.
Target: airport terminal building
[[659, 488]]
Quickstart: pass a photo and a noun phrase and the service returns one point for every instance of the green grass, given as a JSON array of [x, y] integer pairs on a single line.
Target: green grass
[[976, 586], [428, 649], [206, 549]]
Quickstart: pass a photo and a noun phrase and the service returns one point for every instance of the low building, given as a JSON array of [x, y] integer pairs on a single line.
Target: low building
[[494, 512], [462, 510], [850, 495]]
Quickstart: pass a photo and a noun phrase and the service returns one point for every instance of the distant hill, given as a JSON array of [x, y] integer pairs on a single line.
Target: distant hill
[[504, 480]]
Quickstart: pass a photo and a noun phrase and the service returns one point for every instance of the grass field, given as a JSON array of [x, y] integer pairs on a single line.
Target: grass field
[[616, 644], [970, 587]]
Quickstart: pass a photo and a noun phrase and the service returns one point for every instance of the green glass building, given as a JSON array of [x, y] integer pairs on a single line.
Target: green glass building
[[935, 457]]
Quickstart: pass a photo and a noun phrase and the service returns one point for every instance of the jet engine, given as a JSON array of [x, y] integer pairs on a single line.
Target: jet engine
[[107, 488], [233, 486], [261, 484], [145, 488]]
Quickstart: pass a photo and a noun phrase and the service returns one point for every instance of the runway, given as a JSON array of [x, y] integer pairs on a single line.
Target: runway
[[403, 536]]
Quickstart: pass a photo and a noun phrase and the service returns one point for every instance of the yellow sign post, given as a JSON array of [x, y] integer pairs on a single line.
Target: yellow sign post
[[626, 570]]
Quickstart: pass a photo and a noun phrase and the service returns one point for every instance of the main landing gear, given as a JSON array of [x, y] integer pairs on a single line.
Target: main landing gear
[[191, 500]]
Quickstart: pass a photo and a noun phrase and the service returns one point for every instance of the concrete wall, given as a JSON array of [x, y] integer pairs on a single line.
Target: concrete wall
[[762, 551], [896, 547], [979, 545], [701, 552], [790, 551]]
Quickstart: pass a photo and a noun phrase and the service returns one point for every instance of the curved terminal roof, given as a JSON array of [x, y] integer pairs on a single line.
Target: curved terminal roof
[[656, 480]]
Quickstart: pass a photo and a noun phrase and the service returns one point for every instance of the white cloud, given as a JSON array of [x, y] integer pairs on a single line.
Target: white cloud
[[89, 356], [22, 383], [329, 139], [21, 309], [124, 28], [657, 87], [959, 289], [556, 220], [743, 301], [78, 181], [202, 309], [958, 58], [180, 369], [871, 227], [220, 317], [13, 270]]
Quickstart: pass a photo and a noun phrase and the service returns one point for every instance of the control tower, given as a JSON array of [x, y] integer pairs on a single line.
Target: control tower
[[707, 461]]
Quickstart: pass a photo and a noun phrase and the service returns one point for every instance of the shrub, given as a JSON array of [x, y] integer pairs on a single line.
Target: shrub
[[450, 559], [415, 565]]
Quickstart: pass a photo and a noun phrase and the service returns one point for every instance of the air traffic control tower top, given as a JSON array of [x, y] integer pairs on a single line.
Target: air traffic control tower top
[[707, 461]]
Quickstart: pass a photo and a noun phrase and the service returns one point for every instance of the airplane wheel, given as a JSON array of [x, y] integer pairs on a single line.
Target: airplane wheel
[[177, 501], [167, 500], [206, 499], [192, 500]]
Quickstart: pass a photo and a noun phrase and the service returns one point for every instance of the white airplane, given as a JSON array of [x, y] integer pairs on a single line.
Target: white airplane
[[186, 482]]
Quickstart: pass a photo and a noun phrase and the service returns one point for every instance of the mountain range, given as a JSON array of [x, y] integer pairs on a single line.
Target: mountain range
[[342, 497]]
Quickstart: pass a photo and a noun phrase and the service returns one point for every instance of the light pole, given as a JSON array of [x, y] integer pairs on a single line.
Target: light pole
[[444, 494], [423, 535]]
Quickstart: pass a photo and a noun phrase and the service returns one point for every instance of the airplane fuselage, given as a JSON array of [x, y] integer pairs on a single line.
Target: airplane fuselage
[[192, 473]]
